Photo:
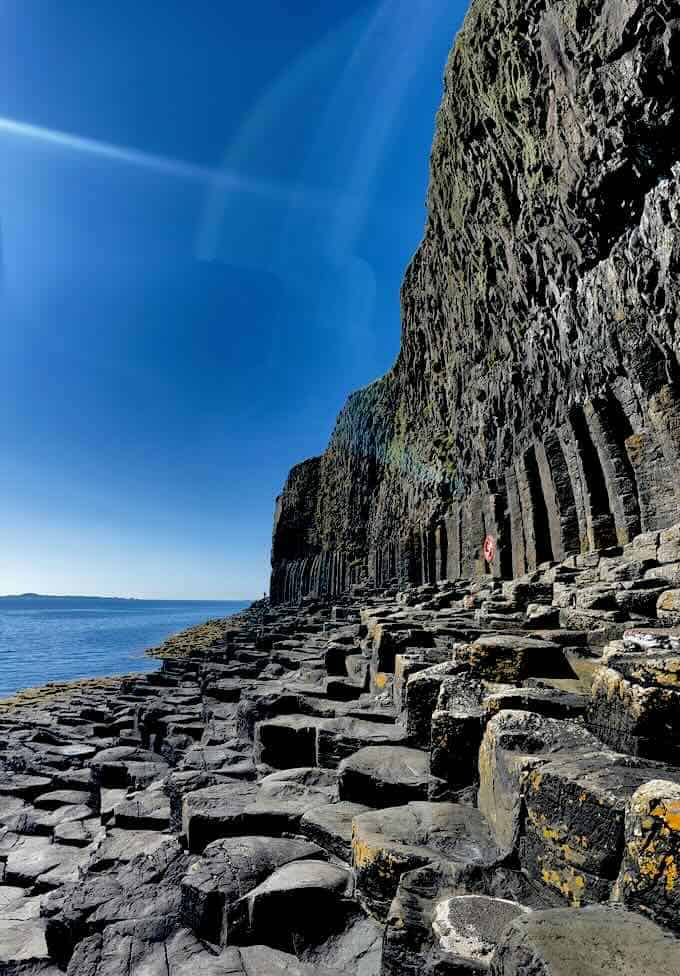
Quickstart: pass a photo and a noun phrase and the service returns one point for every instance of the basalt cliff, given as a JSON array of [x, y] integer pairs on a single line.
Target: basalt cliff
[[535, 399]]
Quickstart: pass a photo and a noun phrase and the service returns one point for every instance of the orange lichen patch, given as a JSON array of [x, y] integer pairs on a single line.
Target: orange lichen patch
[[568, 883], [669, 812], [380, 680]]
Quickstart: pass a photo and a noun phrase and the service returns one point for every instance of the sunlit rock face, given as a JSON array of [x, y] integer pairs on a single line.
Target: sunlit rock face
[[535, 396]]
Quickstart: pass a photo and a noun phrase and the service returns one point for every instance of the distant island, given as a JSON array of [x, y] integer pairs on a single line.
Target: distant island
[[52, 596]]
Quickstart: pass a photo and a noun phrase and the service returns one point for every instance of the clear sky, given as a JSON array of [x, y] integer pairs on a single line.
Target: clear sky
[[206, 211]]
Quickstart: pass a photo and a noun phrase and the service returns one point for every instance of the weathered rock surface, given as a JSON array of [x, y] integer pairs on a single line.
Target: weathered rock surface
[[430, 817], [535, 396]]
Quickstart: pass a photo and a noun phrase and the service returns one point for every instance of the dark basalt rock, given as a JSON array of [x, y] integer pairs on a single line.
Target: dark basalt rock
[[588, 942], [227, 871], [535, 396]]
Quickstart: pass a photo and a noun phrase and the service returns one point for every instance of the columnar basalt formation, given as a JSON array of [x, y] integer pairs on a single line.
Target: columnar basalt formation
[[535, 398], [467, 777]]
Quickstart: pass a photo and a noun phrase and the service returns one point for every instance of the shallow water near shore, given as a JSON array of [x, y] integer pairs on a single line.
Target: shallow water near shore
[[62, 638]]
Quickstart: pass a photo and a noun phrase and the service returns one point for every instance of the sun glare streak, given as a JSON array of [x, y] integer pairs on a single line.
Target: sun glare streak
[[227, 180]]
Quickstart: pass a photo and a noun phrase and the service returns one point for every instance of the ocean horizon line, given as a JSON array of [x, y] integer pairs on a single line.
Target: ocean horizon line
[[136, 599]]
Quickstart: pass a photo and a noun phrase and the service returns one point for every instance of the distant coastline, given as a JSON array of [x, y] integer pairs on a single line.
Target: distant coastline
[[123, 599], [53, 596]]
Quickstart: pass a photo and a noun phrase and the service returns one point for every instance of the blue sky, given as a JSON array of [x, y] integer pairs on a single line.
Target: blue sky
[[206, 211]]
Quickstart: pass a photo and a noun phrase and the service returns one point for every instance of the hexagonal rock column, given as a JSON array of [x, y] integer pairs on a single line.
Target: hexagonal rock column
[[649, 881]]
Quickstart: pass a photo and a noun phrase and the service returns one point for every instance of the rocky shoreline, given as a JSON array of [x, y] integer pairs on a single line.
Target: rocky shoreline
[[467, 777]]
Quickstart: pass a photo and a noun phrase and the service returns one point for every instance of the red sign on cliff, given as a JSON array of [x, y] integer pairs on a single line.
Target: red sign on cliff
[[489, 549]]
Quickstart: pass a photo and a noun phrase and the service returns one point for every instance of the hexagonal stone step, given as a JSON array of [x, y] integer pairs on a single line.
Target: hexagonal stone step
[[121, 846], [382, 776], [339, 738], [272, 807], [29, 859], [263, 961], [513, 658], [22, 785], [69, 908], [433, 916], [591, 941], [215, 811], [286, 742], [229, 869], [22, 933], [60, 798], [79, 833], [330, 826], [146, 810], [387, 843], [575, 810], [29, 820], [294, 906]]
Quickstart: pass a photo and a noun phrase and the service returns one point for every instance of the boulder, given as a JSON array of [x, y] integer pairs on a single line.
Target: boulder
[[446, 917], [296, 906]]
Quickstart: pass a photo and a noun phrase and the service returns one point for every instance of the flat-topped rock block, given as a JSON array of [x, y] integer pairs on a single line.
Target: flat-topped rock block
[[214, 812], [387, 843], [295, 906], [635, 698], [330, 827], [286, 742], [228, 870], [514, 744], [341, 737], [589, 942], [448, 917], [384, 776], [575, 809], [512, 658]]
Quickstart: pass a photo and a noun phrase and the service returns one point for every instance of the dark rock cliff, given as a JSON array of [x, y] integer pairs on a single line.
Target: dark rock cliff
[[535, 398]]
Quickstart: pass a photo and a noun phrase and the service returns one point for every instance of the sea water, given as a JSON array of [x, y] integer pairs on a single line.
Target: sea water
[[61, 638]]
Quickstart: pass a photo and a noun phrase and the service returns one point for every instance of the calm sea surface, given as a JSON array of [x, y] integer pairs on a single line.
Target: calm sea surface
[[58, 639]]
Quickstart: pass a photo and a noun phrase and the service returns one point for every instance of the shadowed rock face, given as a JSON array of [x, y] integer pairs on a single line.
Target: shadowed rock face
[[535, 396]]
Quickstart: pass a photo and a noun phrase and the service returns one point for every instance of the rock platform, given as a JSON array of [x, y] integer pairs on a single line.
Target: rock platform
[[402, 782]]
